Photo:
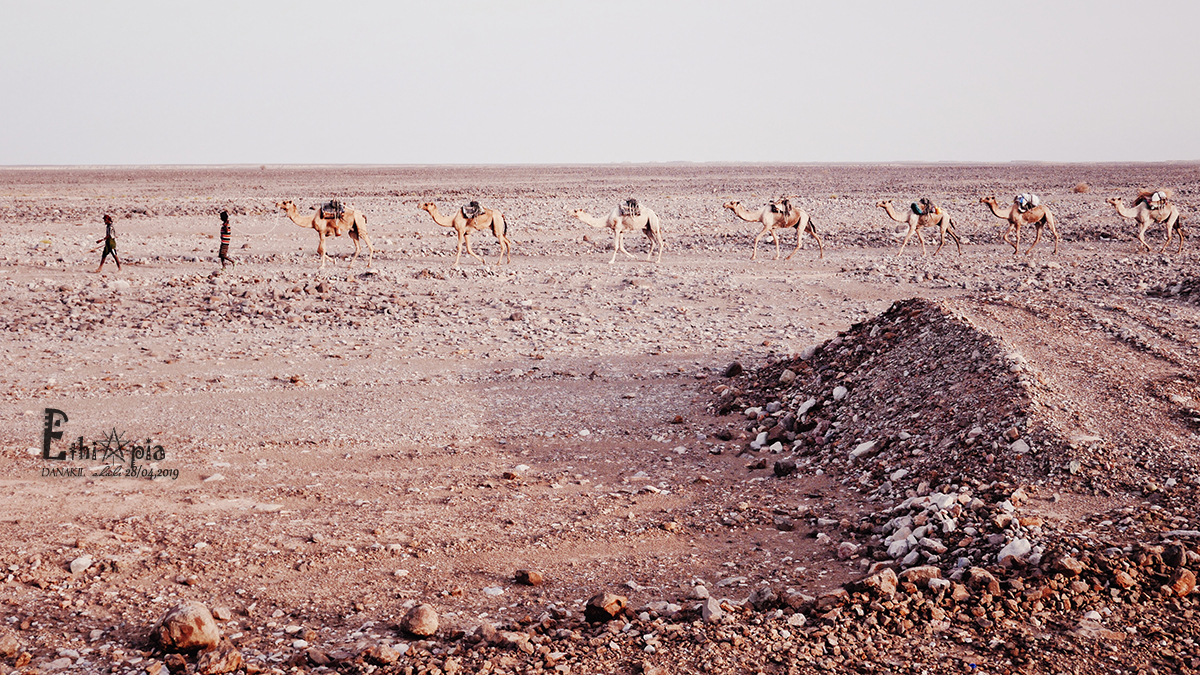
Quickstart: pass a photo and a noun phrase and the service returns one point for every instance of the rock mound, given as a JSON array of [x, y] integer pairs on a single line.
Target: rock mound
[[915, 398]]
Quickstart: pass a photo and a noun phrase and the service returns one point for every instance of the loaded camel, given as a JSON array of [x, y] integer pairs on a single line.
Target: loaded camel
[[939, 219], [624, 219], [1144, 215], [465, 226], [774, 219], [1038, 216], [354, 221]]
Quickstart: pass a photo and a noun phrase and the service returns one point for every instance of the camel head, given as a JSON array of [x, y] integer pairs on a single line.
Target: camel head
[[732, 204], [988, 200], [1115, 200], [428, 206], [578, 213], [884, 203], [285, 205]]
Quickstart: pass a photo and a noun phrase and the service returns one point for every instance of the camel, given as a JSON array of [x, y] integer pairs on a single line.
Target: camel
[[354, 221], [1037, 216], [940, 220], [795, 218], [1144, 215], [465, 227], [646, 220]]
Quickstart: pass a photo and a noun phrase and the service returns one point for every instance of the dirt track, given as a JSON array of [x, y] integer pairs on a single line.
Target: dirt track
[[350, 442]]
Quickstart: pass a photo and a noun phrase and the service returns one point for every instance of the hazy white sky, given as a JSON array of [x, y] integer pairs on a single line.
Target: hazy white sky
[[435, 82]]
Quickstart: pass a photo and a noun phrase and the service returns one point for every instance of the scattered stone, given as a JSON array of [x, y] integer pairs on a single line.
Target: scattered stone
[[1183, 582], [733, 370], [381, 655], [222, 658], [1016, 549], [785, 467], [710, 610], [10, 646], [421, 620], [528, 577], [604, 607], [81, 563], [882, 582], [187, 627]]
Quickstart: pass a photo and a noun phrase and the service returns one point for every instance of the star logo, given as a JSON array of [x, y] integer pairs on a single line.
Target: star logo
[[113, 448]]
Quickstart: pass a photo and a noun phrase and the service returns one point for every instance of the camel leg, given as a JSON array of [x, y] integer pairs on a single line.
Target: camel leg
[[649, 232], [941, 241], [921, 238], [625, 250], [754, 256], [1037, 236], [662, 245], [354, 238], [904, 243], [473, 253], [775, 237], [799, 238], [1170, 222], [458, 253], [1015, 230], [954, 235], [1053, 231], [1142, 227], [505, 248], [616, 244], [321, 249], [820, 245], [362, 234]]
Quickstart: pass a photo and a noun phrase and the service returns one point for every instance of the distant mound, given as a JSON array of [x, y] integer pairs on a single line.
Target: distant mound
[[913, 399]]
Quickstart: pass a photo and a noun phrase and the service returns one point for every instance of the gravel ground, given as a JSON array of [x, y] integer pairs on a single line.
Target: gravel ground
[[975, 463]]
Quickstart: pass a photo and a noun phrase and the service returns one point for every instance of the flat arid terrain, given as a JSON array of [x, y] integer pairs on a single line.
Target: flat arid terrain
[[972, 462]]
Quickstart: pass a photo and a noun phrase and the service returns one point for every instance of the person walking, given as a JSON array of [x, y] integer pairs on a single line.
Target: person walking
[[223, 254], [110, 244]]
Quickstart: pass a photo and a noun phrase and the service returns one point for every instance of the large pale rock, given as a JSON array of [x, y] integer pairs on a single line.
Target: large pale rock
[[1015, 549], [979, 578], [921, 575], [421, 620], [81, 563], [710, 610], [187, 627], [604, 607], [882, 582]]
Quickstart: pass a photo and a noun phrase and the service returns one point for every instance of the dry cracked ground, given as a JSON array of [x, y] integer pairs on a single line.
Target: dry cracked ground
[[974, 462]]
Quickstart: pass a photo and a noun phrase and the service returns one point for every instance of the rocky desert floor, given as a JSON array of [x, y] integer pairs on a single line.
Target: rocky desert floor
[[973, 462]]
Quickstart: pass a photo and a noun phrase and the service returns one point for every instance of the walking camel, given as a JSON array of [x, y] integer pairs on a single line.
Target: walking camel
[[465, 226], [1144, 215], [1038, 216], [939, 219], [354, 221], [620, 222], [772, 220]]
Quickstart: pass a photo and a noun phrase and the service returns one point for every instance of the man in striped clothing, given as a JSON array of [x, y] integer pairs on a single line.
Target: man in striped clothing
[[224, 252]]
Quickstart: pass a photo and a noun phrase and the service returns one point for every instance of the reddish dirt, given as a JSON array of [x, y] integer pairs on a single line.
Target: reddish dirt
[[349, 442]]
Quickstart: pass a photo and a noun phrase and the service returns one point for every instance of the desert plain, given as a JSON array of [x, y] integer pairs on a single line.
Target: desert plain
[[970, 462]]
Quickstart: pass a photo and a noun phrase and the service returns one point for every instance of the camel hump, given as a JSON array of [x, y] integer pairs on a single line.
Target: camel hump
[[1155, 199], [332, 210], [1026, 201], [781, 206], [472, 209], [631, 208]]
